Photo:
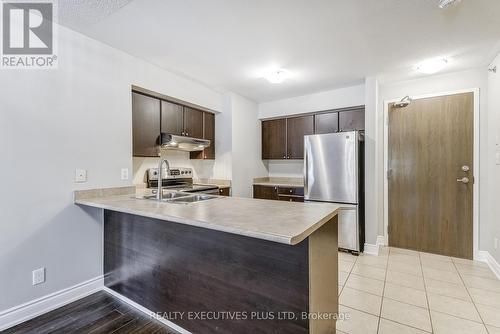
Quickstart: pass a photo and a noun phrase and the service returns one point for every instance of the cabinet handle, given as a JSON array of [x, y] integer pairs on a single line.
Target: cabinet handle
[[205, 156], [290, 191], [183, 133], [284, 157]]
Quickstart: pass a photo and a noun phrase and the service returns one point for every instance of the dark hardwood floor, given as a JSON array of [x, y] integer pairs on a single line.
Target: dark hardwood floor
[[97, 313]]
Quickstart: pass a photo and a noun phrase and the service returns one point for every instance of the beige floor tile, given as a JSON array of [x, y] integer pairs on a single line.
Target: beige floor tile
[[394, 250], [361, 301], [391, 327], [343, 277], [383, 251], [372, 260], [481, 283], [405, 295], [407, 268], [493, 330], [365, 284], [434, 257], [405, 259], [345, 266], [448, 324], [439, 265], [469, 262], [490, 315], [485, 297], [408, 280], [447, 289], [369, 271], [453, 306], [358, 322], [475, 271], [347, 257], [441, 275], [406, 314]]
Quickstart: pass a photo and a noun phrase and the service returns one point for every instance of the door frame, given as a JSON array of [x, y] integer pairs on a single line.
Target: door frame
[[476, 147]]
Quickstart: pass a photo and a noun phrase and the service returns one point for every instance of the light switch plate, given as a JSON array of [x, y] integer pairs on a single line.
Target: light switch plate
[[124, 174], [80, 175], [38, 276]]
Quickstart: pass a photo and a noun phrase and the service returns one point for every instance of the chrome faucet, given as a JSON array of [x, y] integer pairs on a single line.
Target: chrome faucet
[[159, 195]]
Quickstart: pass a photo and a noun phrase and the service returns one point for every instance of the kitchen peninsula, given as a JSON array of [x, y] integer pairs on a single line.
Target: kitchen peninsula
[[224, 265]]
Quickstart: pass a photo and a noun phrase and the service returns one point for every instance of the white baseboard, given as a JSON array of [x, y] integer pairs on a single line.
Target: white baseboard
[[36, 307], [485, 256], [146, 311], [373, 249]]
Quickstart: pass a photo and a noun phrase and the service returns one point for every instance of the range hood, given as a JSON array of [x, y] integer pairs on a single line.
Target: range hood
[[182, 143]]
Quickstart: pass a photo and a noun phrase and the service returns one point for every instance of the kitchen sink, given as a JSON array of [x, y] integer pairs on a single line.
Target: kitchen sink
[[180, 197]]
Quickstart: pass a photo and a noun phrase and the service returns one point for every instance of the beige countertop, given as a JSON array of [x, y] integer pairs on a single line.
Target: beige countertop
[[279, 181], [278, 221]]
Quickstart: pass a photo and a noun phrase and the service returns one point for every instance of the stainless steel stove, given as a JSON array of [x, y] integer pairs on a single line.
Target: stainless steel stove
[[179, 179]]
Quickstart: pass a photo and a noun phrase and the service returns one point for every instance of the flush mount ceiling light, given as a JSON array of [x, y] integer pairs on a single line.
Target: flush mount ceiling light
[[277, 76], [432, 66], [446, 3]]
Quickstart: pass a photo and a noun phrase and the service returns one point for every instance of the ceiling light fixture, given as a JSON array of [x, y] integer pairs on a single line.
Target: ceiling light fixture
[[446, 3], [277, 76], [432, 66]]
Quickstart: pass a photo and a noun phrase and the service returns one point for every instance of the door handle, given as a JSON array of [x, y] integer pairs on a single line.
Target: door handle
[[463, 180]]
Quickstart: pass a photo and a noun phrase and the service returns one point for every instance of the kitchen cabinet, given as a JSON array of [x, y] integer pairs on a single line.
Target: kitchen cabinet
[[352, 120], [145, 125], [265, 192], [208, 133], [193, 123], [224, 191], [274, 139], [172, 118], [297, 128], [281, 193], [326, 123]]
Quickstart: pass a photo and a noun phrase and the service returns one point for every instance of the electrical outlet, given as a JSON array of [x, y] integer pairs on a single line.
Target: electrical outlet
[[124, 174], [495, 243], [80, 175], [38, 276]]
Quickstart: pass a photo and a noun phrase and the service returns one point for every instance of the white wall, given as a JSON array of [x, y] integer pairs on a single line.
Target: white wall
[[246, 142], [476, 78], [327, 100], [492, 228], [78, 116], [332, 99]]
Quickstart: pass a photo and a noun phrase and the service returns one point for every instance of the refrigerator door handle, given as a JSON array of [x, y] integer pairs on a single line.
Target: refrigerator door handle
[[306, 162]]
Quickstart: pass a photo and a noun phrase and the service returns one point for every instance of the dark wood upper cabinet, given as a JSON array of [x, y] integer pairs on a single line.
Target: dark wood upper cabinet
[[145, 125], [274, 139], [352, 120], [297, 128], [208, 133], [326, 123], [193, 122], [172, 118]]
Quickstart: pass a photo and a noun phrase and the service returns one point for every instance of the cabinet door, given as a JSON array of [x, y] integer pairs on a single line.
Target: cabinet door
[[172, 118], [146, 125], [274, 139], [352, 120], [297, 128], [193, 122], [225, 191], [326, 123], [265, 192], [208, 133]]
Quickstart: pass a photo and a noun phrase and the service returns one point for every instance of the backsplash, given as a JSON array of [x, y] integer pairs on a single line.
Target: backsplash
[[285, 168]]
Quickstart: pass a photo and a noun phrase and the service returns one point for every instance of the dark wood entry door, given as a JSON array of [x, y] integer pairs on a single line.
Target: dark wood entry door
[[430, 150]]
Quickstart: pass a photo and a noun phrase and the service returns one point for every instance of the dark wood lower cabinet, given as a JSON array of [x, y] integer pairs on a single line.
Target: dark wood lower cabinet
[[168, 267], [290, 194], [225, 191]]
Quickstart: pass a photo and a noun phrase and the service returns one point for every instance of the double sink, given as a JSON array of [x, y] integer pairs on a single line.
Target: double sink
[[180, 197]]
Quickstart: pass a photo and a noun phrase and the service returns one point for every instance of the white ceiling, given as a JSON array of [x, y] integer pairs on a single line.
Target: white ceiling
[[324, 43]]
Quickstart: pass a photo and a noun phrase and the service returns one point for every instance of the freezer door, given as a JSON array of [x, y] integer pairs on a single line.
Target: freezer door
[[331, 167], [348, 229]]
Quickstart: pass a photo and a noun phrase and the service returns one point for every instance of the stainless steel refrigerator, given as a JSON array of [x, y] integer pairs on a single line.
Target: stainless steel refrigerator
[[334, 172]]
